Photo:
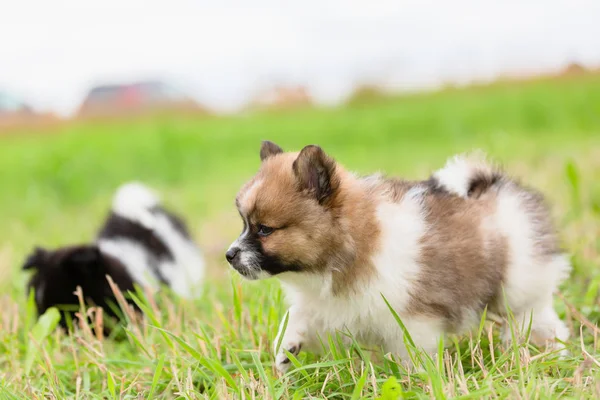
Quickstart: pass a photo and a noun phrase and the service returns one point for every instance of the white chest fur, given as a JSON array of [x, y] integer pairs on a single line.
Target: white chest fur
[[362, 310]]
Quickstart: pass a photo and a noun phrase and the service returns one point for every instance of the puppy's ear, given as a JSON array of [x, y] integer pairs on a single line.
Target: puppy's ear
[[36, 259], [315, 172], [268, 149]]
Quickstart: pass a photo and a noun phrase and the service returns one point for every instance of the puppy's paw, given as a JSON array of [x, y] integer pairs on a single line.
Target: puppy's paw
[[282, 362]]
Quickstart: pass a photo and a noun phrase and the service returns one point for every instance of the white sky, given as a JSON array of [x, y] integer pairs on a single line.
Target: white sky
[[223, 51]]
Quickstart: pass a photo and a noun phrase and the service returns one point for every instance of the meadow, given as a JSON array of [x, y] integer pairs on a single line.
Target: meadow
[[55, 188]]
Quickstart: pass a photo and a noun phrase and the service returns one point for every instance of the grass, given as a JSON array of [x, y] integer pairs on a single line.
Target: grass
[[56, 189]]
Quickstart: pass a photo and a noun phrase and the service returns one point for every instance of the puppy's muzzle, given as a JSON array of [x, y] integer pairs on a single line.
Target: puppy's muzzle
[[234, 257], [232, 254]]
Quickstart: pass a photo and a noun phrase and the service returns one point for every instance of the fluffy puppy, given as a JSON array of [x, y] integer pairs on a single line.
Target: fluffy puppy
[[140, 243], [439, 250]]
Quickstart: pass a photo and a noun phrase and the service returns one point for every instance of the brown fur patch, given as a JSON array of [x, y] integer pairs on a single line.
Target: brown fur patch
[[461, 273], [315, 174], [481, 182]]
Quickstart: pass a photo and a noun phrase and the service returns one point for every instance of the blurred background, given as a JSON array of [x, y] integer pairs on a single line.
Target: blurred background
[[74, 58], [180, 93]]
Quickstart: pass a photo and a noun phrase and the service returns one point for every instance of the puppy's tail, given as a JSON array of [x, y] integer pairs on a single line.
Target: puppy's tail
[[135, 194], [134, 201], [468, 176]]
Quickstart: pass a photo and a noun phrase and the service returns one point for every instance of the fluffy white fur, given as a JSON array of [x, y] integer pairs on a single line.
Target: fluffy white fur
[[134, 201], [459, 170], [316, 312], [134, 257], [529, 284]]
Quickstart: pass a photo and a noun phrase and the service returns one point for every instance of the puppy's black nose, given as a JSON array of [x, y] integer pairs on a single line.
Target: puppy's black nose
[[231, 253]]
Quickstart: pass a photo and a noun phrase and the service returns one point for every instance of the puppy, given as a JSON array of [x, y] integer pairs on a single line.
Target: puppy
[[440, 251], [140, 243]]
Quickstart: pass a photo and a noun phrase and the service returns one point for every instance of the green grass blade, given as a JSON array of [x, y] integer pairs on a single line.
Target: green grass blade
[[110, 383], [153, 318], [207, 362], [44, 326], [399, 322], [157, 373], [282, 331], [357, 392], [237, 303], [263, 375]]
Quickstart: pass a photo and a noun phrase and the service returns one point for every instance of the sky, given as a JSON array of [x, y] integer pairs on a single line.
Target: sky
[[224, 52]]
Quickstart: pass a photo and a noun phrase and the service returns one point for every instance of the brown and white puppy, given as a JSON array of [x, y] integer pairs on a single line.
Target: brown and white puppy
[[440, 250]]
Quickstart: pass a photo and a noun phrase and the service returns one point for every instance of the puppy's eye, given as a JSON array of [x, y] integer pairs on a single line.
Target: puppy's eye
[[264, 230]]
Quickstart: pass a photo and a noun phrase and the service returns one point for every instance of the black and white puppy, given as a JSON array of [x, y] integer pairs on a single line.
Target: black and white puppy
[[140, 243]]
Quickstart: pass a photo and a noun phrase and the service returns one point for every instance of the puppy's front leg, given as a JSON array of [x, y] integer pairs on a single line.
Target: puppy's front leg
[[294, 337]]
